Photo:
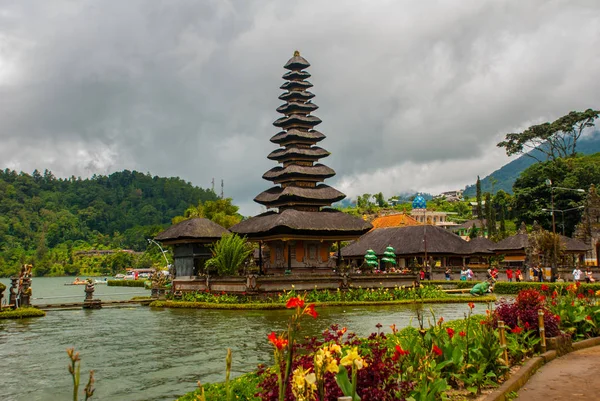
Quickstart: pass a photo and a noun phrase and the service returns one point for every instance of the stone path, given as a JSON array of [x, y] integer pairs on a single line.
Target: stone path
[[573, 377]]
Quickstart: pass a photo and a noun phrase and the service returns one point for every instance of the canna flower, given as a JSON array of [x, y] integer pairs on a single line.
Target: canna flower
[[295, 302], [278, 342], [394, 329], [580, 296], [588, 317], [353, 359], [598, 293], [590, 292], [436, 350], [310, 310], [462, 334], [516, 330], [471, 305], [399, 352], [450, 332], [544, 287], [554, 294], [557, 317], [303, 384]]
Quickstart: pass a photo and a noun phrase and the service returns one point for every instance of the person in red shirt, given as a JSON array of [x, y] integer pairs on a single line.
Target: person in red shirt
[[509, 274], [422, 274], [495, 273], [518, 275]]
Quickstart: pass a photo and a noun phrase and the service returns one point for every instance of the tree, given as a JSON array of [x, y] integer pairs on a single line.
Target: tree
[[221, 211], [229, 253], [473, 232], [479, 204], [380, 200], [557, 139]]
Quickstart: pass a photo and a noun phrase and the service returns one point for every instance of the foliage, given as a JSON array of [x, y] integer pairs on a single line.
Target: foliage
[[576, 308], [555, 140], [74, 367], [504, 287], [126, 283], [21, 313], [532, 194], [243, 388], [523, 313], [229, 253], [220, 211], [546, 244], [44, 220]]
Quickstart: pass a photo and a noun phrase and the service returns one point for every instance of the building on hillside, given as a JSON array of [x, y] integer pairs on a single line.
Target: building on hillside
[[191, 240], [473, 205], [420, 213], [464, 229], [451, 196], [299, 229]]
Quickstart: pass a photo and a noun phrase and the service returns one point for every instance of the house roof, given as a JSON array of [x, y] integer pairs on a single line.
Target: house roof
[[481, 245], [521, 241], [192, 229], [469, 223], [408, 240], [394, 220], [325, 223]]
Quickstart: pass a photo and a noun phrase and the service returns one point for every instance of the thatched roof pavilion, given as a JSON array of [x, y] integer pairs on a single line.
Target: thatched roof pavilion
[[191, 239], [481, 246], [300, 231], [192, 230]]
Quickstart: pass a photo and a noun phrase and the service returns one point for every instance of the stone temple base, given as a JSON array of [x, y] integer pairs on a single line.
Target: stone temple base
[[92, 304]]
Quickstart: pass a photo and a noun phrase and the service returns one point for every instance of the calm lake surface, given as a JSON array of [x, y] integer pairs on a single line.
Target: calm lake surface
[[139, 353]]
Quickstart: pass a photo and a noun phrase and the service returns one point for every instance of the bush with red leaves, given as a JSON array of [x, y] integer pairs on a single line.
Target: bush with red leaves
[[524, 312]]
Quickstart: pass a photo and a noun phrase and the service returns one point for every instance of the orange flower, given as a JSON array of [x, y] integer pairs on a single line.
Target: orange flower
[[310, 310], [279, 342], [394, 329], [471, 305], [462, 334], [295, 302]]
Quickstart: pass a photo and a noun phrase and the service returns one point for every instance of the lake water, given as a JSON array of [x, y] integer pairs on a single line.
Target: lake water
[[139, 353]]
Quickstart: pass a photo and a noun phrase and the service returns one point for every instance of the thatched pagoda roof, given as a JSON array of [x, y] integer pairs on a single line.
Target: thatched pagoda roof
[[296, 95], [296, 63], [322, 194], [296, 75], [192, 229], [408, 240], [311, 136], [319, 171], [297, 107], [296, 85], [297, 120], [327, 223], [481, 245], [314, 152]]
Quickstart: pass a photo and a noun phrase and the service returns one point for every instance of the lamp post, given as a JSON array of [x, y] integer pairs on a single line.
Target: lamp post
[[563, 214], [552, 210], [151, 241]]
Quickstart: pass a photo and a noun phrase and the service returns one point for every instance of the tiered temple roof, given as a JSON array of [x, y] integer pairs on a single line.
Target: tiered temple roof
[[299, 178], [299, 195]]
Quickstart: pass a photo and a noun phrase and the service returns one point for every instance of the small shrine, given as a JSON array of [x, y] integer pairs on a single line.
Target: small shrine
[[299, 228]]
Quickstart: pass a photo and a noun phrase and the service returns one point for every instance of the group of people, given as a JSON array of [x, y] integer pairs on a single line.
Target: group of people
[[578, 274]]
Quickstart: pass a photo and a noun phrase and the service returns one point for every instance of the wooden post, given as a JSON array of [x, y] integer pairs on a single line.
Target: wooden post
[[338, 262], [542, 329], [503, 341], [260, 261]]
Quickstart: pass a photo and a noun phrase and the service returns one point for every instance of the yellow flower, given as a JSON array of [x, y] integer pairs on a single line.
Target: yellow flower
[[303, 384], [598, 293], [352, 358], [332, 367], [335, 348]]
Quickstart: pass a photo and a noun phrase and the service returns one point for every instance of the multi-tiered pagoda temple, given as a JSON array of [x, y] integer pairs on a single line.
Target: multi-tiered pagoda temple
[[300, 231]]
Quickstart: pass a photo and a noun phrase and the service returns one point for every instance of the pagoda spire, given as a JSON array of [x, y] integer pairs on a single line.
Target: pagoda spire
[[299, 177]]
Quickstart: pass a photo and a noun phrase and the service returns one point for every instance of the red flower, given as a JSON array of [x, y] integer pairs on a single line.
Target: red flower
[[554, 294], [588, 317], [483, 322], [545, 287], [557, 317], [450, 332], [580, 296], [590, 292], [462, 334], [577, 284], [554, 303], [572, 303], [310, 310], [440, 321], [527, 326], [471, 305], [436, 350], [398, 353], [278, 342], [295, 302], [516, 330]]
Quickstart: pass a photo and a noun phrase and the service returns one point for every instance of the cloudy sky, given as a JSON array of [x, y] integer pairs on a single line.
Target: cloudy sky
[[413, 95]]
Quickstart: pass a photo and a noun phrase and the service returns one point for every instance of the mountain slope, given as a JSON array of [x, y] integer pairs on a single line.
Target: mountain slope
[[507, 174]]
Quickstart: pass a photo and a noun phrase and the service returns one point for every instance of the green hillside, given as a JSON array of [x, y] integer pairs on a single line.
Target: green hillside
[[507, 174], [46, 220]]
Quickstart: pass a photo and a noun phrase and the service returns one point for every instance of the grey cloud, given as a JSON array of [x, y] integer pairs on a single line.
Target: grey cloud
[[190, 88]]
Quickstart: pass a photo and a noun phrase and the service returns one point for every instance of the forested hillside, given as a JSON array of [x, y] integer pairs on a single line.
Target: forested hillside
[[44, 219]]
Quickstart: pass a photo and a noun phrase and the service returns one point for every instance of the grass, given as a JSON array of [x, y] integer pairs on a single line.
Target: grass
[[22, 313]]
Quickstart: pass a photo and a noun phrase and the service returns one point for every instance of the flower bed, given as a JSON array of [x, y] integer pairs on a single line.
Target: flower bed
[[22, 313], [420, 363], [503, 287]]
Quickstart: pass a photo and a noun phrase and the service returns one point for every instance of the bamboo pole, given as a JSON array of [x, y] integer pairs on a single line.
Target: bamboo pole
[[542, 329], [503, 341]]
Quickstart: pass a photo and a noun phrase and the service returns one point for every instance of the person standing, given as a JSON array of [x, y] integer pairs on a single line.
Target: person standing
[[509, 274], [589, 278], [447, 273], [470, 274], [535, 273], [577, 274], [518, 275], [463, 274]]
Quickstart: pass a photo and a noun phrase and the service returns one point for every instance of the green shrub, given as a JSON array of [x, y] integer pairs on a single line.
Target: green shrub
[[22, 313], [125, 283], [243, 388], [503, 287], [452, 283]]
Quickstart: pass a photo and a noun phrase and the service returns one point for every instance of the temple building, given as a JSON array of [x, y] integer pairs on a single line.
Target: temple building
[[423, 215], [299, 229]]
